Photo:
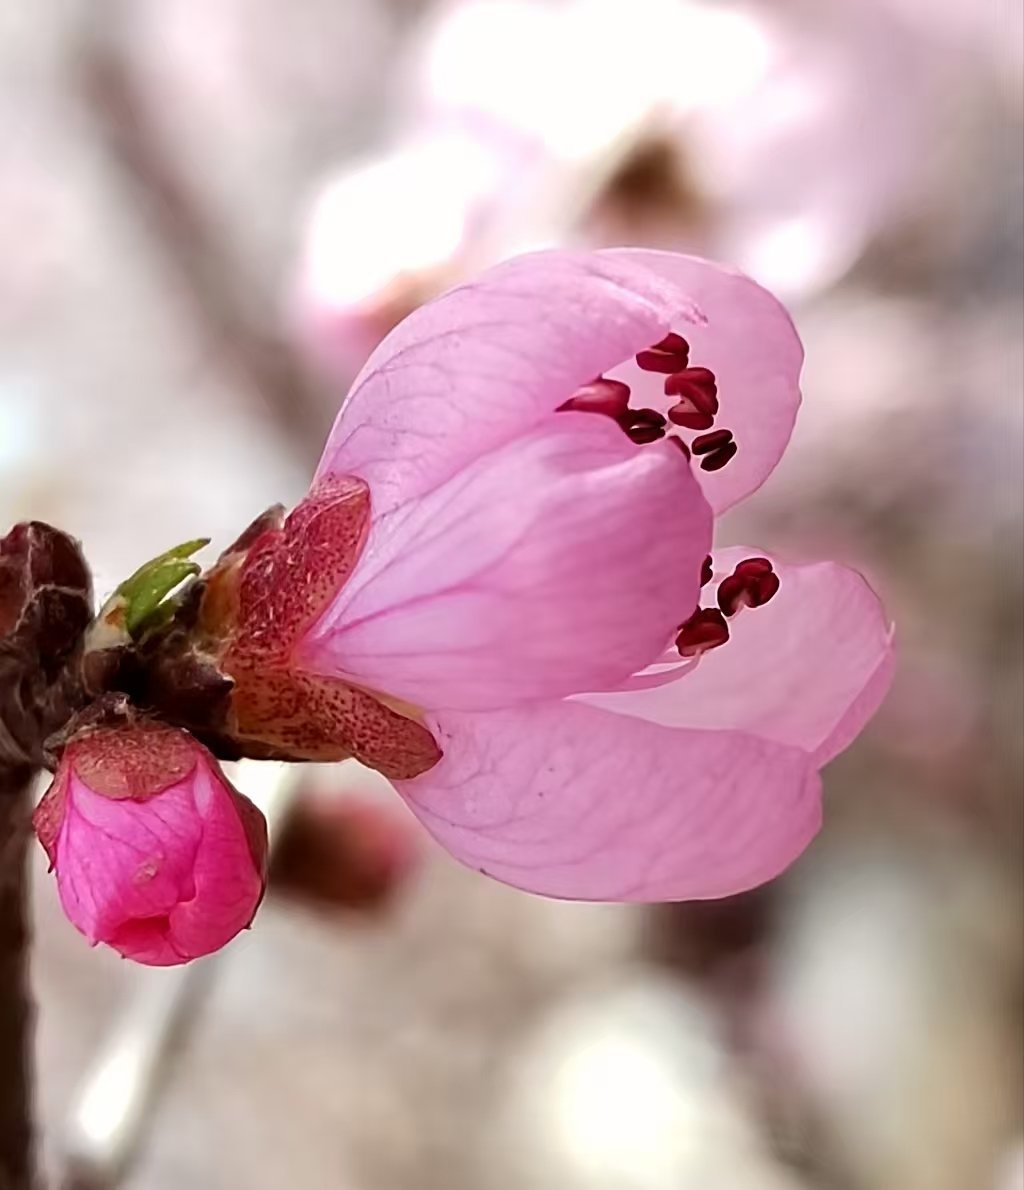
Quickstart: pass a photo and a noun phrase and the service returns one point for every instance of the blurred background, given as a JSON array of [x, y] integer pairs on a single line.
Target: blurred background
[[210, 211]]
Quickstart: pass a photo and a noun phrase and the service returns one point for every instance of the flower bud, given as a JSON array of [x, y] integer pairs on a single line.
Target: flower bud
[[155, 853], [346, 851]]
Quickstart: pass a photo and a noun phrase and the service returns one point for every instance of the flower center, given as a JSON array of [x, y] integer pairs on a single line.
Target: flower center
[[752, 584], [695, 395]]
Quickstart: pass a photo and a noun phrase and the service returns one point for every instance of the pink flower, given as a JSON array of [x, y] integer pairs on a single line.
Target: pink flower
[[491, 587], [156, 855]]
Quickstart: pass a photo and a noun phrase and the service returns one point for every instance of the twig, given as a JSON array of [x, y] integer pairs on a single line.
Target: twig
[[16, 1136]]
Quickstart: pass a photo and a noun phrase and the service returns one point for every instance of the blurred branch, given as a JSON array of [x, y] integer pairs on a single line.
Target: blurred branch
[[16, 1155], [228, 310]]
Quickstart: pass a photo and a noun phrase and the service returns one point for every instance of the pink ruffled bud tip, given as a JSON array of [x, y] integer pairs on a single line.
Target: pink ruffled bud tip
[[155, 853]]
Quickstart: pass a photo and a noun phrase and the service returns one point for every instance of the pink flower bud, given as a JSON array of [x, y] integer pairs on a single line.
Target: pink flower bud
[[155, 853]]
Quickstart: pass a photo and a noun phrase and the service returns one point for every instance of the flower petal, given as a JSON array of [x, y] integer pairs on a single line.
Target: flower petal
[[569, 801], [484, 362], [748, 340], [115, 863], [559, 563], [228, 883], [809, 668]]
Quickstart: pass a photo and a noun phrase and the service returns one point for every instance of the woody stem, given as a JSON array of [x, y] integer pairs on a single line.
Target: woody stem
[[16, 1132]]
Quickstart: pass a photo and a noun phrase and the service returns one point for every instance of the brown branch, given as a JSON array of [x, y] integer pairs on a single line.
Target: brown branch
[[45, 607], [227, 310], [16, 1135]]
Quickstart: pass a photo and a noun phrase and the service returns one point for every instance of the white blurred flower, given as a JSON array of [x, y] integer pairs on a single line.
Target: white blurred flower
[[1011, 1169], [899, 943], [779, 141], [625, 1086]]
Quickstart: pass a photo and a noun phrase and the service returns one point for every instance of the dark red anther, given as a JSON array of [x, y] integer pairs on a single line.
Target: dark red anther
[[714, 449], [731, 591], [610, 397], [753, 568], [702, 377], [716, 461], [689, 418], [705, 629], [698, 398], [668, 356], [695, 408], [706, 443], [707, 571], [643, 425], [641, 435], [700, 380], [765, 588], [751, 584]]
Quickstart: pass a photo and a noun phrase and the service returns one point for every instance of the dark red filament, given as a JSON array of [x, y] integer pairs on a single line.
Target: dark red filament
[[698, 398]]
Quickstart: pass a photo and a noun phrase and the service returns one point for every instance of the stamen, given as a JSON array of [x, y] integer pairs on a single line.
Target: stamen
[[718, 460], [752, 584], [695, 408], [698, 398], [705, 629], [706, 443], [610, 397], [643, 425], [689, 418], [754, 567], [714, 449], [668, 356], [697, 384]]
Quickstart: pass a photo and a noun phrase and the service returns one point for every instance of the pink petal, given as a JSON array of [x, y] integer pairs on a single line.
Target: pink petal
[[228, 883], [483, 363], [559, 563], [809, 668], [749, 342], [117, 860], [569, 801]]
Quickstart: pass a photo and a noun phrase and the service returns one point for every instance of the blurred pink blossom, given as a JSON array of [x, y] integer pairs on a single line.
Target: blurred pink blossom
[[156, 854], [347, 851], [775, 140]]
